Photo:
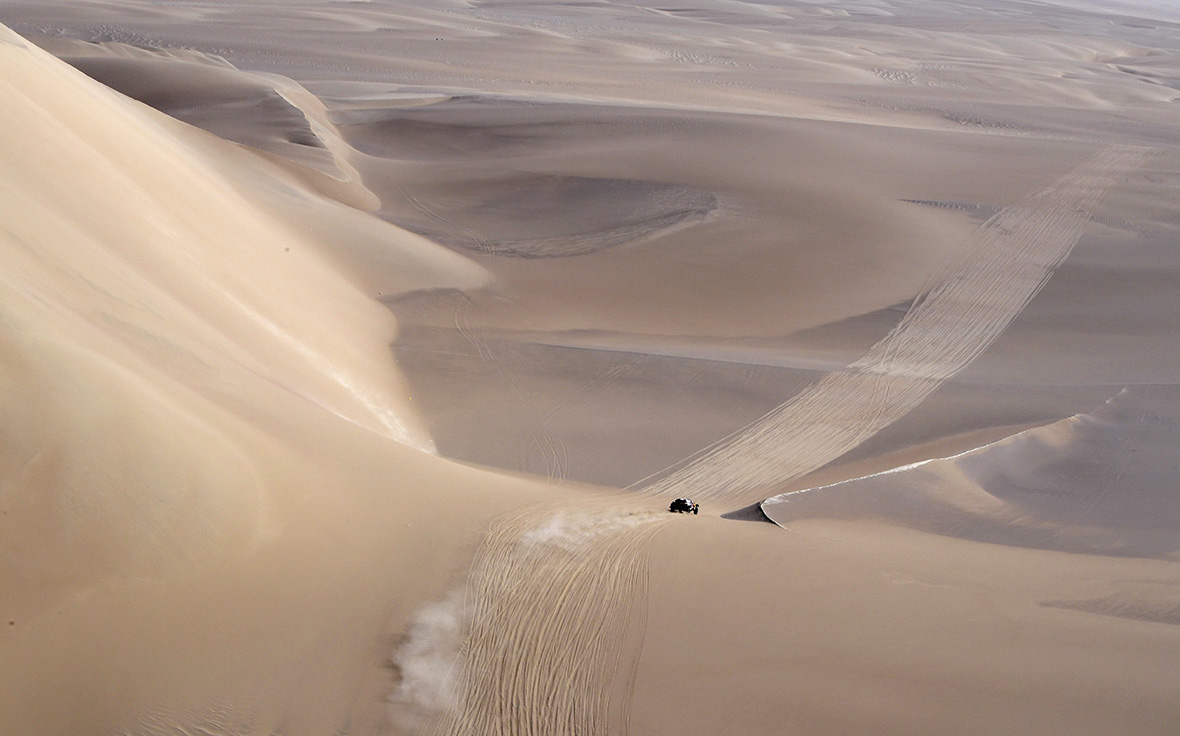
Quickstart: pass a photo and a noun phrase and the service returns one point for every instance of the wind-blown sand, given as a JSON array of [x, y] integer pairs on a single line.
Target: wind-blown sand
[[350, 354]]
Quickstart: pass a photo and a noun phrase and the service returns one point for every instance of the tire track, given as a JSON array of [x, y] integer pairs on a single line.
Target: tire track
[[554, 456], [483, 245], [542, 439], [552, 597], [968, 305], [555, 593]]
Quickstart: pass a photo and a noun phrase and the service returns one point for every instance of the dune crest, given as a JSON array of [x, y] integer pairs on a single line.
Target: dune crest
[[106, 193], [1063, 486], [198, 401], [269, 113], [150, 308]]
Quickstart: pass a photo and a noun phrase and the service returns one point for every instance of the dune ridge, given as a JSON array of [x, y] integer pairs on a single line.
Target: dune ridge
[[198, 400], [267, 112], [187, 281], [1022, 490]]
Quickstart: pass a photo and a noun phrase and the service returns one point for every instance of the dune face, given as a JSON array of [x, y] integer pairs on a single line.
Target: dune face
[[168, 405], [898, 277], [152, 180]]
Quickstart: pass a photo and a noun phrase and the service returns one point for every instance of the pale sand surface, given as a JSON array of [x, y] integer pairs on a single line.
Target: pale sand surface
[[906, 269]]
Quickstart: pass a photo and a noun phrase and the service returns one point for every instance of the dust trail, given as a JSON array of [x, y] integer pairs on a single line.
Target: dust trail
[[425, 662], [556, 595]]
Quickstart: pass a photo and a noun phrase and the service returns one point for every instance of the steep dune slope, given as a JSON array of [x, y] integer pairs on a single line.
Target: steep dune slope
[[213, 488], [266, 112], [131, 198]]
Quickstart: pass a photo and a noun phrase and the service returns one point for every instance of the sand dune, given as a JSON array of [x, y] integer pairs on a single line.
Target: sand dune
[[907, 267], [154, 175], [174, 418]]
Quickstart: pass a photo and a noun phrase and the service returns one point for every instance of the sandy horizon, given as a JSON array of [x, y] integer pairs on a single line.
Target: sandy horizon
[[351, 353]]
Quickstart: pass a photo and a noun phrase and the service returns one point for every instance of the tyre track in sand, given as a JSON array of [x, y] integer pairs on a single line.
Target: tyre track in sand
[[965, 307], [554, 456], [555, 597]]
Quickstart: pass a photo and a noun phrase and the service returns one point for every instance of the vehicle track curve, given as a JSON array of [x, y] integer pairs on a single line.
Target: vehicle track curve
[[556, 594]]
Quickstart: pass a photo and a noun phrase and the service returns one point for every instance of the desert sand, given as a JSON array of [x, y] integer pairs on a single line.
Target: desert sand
[[351, 353]]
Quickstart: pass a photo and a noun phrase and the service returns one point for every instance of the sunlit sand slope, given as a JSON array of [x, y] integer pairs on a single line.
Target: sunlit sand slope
[[104, 194], [209, 465]]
